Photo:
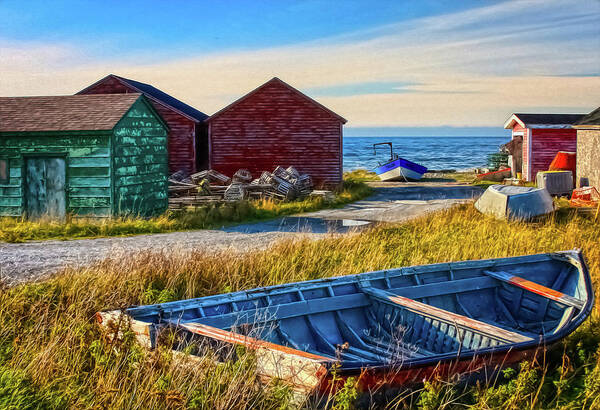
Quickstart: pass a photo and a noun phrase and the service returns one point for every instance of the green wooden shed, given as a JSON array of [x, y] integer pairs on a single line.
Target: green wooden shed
[[87, 155]]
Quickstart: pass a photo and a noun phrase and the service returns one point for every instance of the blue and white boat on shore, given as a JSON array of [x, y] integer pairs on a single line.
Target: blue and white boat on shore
[[398, 169]]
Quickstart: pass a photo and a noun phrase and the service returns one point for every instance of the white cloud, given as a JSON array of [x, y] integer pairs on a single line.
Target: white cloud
[[469, 68]]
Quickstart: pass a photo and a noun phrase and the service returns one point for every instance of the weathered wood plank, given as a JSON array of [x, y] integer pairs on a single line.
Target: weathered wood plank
[[87, 162], [11, 191], [449, 317], [90, 212], [287, 310], [38, 143], [141, 169], [75, 192], [90, 202], [445, 288], [10, 201], [89, 172], [537, 289], [11, 210], [302, 370], [98, 182]]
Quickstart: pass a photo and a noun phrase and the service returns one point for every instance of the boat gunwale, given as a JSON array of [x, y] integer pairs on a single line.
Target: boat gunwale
[[574, 257], [245, 295], [544, 340]]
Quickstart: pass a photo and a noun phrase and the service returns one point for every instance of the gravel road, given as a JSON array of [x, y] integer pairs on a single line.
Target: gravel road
[[390, 203], [34, 260]]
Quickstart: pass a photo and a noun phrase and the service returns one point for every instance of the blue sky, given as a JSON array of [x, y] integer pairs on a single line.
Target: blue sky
[[122, 27], [382, 65]]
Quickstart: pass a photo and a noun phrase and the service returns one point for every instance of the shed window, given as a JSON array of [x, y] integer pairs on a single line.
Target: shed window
[[4, 171]]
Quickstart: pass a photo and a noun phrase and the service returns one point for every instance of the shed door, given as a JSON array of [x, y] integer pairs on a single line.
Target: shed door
[[45, 191]]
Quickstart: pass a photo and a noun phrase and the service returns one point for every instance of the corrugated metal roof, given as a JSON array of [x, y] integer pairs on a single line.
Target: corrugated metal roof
[[592, 118], [94, 112], [165, 98]]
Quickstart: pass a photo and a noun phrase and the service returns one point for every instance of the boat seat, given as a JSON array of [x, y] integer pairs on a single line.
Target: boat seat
[[445, 288], [537, 289], [458, 321]]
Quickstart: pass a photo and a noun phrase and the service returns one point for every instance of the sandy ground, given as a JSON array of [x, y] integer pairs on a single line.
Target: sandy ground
[[391, 202]]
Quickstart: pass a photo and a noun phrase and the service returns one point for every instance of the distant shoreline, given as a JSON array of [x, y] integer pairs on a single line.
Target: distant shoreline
[[427, 136], [455, 152]]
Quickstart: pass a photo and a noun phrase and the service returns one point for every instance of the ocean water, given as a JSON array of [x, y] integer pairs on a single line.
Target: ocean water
[[459, 153]]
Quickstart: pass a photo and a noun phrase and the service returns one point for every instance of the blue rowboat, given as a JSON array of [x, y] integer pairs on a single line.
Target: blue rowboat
[[398, 169], [393, 327]]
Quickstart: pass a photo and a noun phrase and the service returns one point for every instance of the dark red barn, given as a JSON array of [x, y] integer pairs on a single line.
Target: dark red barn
[[277, 125], [543, 136], [188, 139]]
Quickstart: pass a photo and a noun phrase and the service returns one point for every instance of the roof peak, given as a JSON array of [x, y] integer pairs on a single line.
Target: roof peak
[[288, 86], [90, 112], [156, 95], [541, 120], [591, 119]]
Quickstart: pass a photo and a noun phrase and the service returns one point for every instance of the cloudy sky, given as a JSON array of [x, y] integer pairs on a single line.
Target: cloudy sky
[[381, 64]]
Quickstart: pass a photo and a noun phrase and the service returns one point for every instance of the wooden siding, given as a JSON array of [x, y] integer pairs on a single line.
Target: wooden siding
[[182, 133], [526, 144], [140, 163], [276, 126], [88, 170], [588, 157], [545, 144]]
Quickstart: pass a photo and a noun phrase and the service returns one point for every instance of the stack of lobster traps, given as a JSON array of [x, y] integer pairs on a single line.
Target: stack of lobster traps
[[211, 186]]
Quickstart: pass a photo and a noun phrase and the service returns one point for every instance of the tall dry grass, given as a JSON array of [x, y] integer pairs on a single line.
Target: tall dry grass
[[53, 354], [205, 217]]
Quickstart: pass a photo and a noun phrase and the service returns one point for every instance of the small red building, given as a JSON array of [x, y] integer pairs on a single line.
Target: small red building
[[275, 124], [187, 140], [543, 136]]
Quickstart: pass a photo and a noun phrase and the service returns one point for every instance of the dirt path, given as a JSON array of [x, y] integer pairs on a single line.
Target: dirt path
[[389, 203]]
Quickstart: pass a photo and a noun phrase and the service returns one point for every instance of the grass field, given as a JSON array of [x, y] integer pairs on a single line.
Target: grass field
[[363, 175], [53, 354], [210, 216]]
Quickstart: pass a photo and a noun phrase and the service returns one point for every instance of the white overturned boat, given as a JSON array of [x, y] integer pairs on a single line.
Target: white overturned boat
[[515, 202]]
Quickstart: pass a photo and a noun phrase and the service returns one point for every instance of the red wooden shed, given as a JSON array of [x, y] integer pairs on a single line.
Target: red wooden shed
[[188, 139], [543, 136], [275, 124]]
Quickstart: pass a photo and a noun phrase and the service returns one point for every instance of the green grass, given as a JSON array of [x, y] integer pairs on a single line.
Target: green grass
[[53, 354], [464, 178], [210, 216], [361, 175]]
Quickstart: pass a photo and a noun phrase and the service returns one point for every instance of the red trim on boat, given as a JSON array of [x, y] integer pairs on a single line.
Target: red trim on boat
[[537, 289], [374, 379], [231, 337]]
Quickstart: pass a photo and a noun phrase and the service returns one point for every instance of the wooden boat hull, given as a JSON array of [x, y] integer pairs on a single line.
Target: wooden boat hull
[[481, 367], [400, 169], [392, 328]]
